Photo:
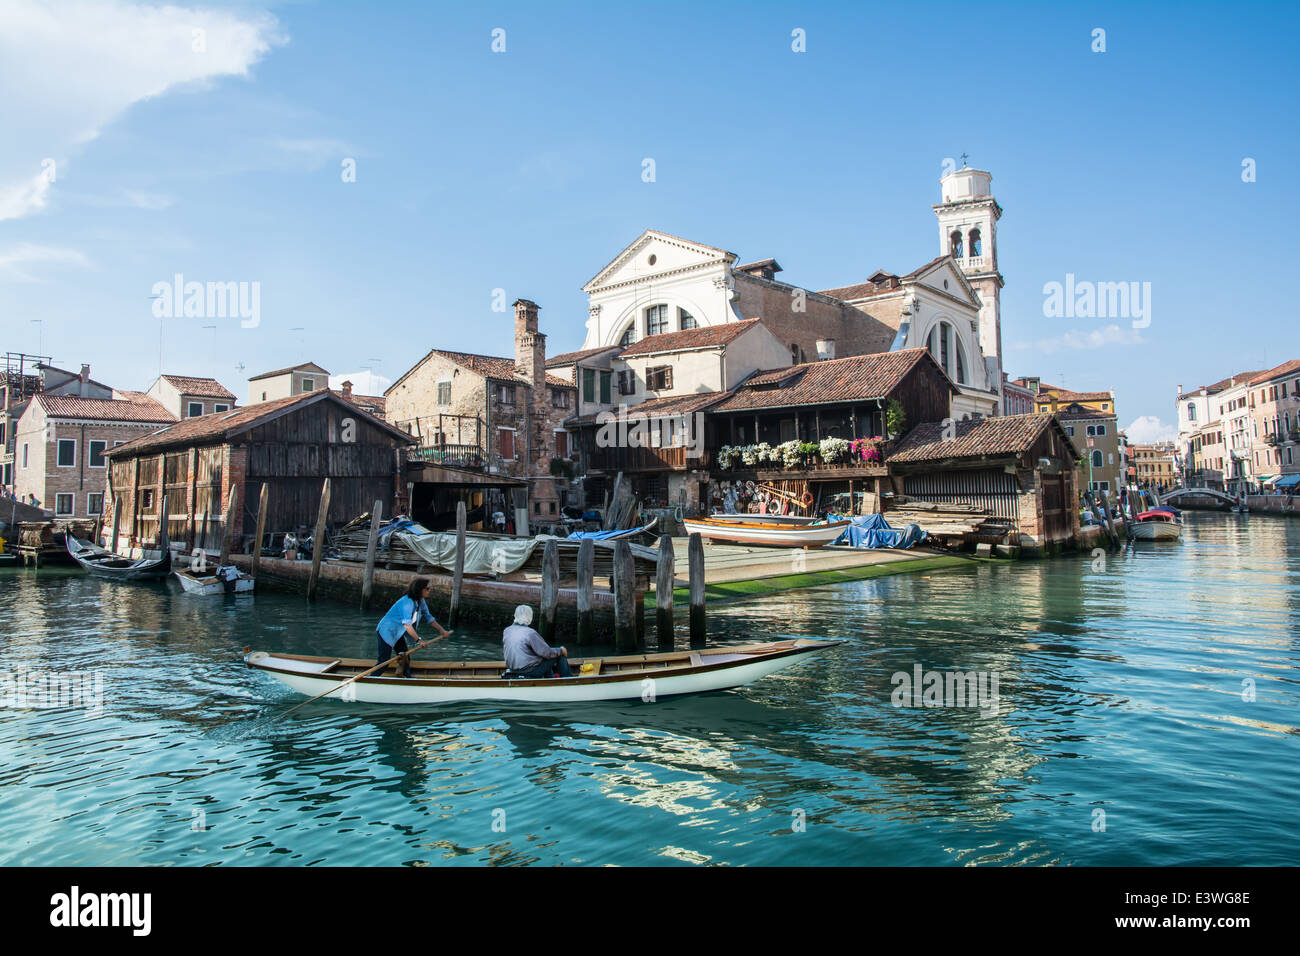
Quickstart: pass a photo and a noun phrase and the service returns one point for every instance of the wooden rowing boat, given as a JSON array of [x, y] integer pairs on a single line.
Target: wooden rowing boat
[[782, 535], [1157, 525], [210, 582], [114, 567], [640, 676]]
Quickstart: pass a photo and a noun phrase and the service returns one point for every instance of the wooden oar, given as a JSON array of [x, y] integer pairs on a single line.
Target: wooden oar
[[377, 667]]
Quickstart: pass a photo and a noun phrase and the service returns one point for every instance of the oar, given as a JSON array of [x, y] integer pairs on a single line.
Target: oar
[[377, 667]]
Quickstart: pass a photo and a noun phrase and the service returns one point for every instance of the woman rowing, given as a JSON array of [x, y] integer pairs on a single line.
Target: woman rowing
[[401, 620]]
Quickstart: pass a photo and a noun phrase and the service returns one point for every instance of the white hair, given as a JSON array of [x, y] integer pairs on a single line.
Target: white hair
[[524, 615]]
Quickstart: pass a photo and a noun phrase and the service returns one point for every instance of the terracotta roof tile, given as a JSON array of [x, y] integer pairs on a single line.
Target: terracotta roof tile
[[1045, 393], [494, 366], [569, 358], [104, 409], [708, 336], [975, 438], [304, 367], [205, 387], [851, 379], [657, 407], [1286, 368]]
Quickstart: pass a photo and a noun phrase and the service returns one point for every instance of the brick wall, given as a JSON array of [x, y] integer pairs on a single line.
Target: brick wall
[[855, 332]]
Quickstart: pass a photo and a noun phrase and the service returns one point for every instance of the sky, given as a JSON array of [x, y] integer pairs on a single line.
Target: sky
[[375, 172]]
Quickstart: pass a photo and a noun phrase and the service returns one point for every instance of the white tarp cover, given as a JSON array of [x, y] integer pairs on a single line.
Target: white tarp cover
[[482, 555]]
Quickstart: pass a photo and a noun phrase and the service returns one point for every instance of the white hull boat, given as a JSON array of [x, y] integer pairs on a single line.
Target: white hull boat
[[782, 535], [635, 677], [209, 582], [1156, 531]]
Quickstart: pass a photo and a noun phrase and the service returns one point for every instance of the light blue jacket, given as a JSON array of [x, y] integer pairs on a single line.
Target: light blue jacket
[[404, 612]]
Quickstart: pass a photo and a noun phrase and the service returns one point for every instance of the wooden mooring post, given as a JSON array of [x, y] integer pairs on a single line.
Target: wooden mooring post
[[372, 546], [262, 501], [228, 532], [624, 596], [664, 590], [458, 572], [117, 522], [318, 540], [203, 538], [695, 561], [550, 589], [1109, 512], [586, 584]]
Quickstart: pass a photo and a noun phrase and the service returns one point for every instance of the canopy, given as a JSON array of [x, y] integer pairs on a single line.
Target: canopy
[[872, 531], [1287, 481]]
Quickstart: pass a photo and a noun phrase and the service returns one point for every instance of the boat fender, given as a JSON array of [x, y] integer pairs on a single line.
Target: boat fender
[[806, 499]]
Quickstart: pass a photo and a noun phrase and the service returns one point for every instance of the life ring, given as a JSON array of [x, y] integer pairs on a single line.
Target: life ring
[[774, 507], [806, 499]]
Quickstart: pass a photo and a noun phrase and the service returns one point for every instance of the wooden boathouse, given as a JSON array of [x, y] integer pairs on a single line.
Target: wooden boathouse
[[291, 444]]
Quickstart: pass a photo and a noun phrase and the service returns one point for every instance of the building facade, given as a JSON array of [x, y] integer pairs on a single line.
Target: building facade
[[188, 397]]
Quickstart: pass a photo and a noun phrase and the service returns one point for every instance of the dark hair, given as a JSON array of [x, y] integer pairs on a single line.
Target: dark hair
[[416, 590]]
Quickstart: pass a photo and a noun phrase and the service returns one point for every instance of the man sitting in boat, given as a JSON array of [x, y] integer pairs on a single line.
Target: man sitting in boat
[[402, 619], [527, 654]]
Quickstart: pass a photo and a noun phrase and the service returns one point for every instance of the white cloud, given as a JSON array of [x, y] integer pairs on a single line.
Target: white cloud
[[363, 383], [1076, 340], [1147, 429], [70, 68], [15, 259]]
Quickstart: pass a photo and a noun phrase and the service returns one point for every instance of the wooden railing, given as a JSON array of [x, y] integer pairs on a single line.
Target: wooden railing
[[460, 456], [647, 459]]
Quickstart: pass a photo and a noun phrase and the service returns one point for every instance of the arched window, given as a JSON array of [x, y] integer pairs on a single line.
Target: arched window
[[976, 244], [686, 320], [794, 354], [656, 320], [1097, 459], [1191, 412], [629, 336], [946, 348], [954, 243]]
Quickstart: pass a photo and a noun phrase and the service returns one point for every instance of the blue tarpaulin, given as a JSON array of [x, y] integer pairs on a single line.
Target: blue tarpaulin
[[1287, 481], [872, 531], [604, 535]]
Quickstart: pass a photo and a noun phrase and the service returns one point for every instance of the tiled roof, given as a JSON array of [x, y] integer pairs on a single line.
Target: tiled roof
[[1286, 368], [707, 336], [372, 401], [1083, 414], [494, 366], [569, 358], [1045, 393], [975, 438], [104, 409], [305, 367], [658, 407], [217, 427], [881, 283], [204, 387], [851, 379]]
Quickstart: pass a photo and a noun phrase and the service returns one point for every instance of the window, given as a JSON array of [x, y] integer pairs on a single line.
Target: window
[[954, 243], [629, 336], [588, 384], [67, 452], [194, 410], [1070, 429], [146, 499], [97, 456], [685, 320], [559, 398], [1105, 406], [1100, 486], [1191, 411], [63, 504], [627, 382], [656, 320], [2, 433], [506, 443], [264, 396], [1092, 430], [308, 384], [659, 379], [976, 245], [220, 408], [444, 393], [1098, 460], [604, 387], [561, 444], [1101, 429], [95, 503], [794, 354], [506, 394], [537, 507], [24, 454]]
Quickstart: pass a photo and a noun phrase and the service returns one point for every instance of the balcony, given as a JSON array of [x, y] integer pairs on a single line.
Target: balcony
[[975, 263], [673, 458], [454, 456]]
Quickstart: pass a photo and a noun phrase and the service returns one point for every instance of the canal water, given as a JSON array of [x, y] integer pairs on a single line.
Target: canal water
[[1146, 714]]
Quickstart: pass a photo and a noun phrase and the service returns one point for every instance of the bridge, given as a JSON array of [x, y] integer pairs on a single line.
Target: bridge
[[1179, 495]]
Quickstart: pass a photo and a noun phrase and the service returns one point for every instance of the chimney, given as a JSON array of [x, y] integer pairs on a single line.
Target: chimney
[[1054, 402], [347, 391], [1180, 390], [530, 348], [825, 349], [84, 389]]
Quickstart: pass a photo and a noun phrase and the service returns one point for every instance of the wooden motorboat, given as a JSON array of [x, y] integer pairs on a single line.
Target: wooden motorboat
[[213, 581], [792, 520], [106, 564], [639, 676], [783, 535], [1157, 525]]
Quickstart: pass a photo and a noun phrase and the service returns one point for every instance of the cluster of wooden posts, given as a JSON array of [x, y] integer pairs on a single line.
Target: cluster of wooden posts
[[1101, 510]]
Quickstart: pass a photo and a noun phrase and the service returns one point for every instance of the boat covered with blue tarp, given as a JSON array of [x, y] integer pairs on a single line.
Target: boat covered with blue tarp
[[873, 531]]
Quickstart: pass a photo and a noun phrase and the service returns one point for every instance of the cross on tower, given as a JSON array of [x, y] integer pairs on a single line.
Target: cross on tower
[[963, 160]]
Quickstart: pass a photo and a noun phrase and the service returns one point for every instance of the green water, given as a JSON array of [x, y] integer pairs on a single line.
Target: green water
[[1120, 691]]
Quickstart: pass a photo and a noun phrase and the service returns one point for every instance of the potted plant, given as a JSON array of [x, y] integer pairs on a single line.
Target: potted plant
[[895, 418], [833, 450], [561, 468]]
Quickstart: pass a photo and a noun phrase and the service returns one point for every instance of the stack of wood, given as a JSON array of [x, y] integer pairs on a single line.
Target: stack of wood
[[951, 522], [622, 509]]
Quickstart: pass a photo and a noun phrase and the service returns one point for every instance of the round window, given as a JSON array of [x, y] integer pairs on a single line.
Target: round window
[[945, 283], [653, 259]]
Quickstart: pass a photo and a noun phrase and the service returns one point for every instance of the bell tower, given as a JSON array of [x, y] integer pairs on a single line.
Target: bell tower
[[968, 222]]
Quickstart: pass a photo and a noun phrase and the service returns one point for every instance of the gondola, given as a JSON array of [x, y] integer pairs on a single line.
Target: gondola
[[114, 567], [635, 677]]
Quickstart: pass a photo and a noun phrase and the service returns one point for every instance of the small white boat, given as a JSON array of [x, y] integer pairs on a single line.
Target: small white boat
[[1157, 526], [216, 581], [783, 535], [634, 677]]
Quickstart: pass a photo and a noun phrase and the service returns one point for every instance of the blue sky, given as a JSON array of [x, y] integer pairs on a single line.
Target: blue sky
[[521, 170]]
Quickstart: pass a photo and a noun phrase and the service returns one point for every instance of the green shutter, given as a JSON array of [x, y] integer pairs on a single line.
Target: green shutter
[[588, 384], [604, 388]]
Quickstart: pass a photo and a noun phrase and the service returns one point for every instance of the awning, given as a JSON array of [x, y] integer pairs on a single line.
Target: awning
[[1287, 481], [1263, 479]]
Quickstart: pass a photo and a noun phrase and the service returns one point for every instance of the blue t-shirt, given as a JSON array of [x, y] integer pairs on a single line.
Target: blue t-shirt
[[404, 612]]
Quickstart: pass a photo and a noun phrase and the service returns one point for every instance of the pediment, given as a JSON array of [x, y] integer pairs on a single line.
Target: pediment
[[936, 273], [670, 254]]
